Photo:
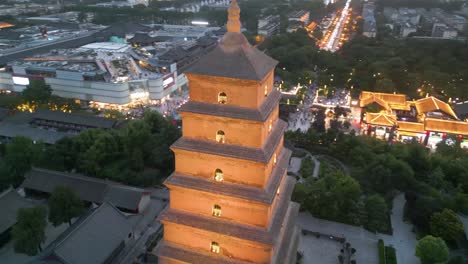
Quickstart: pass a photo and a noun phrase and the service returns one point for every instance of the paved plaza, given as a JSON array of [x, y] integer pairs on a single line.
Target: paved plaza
[[365, 242], [324, 251]]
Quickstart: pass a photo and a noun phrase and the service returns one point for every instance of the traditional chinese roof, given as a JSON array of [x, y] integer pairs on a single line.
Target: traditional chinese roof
[[431, 104], [385, 100], [5, 24], [382, 119], [96, 238], [411, 127], [234, 57], [446, 126], [87, 188], [11, 202]]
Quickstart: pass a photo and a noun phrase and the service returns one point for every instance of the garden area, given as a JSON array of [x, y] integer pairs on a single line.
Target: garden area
[[435, 185]]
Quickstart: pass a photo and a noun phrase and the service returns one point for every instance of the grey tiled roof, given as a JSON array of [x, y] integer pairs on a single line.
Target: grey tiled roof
[[3, 113], [10, 130], [77, 119], [10, 203], [235, 58], [234, 151], [94, 239], [87, 188], [260, 114], [236, 190]]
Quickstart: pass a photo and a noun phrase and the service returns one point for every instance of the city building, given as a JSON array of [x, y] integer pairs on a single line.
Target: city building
[[269, 25], [299, 16], [407, 29], [93, 190], [132, 65], [428, 120], [441, 30], [229, 194], [293, 27], [369, 26]]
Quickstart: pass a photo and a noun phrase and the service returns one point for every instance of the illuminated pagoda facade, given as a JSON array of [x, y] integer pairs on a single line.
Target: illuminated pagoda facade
[[428, 120], [229, 194]]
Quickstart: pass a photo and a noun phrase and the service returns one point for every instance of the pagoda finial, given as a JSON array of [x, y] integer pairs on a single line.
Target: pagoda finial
[[233, 24]]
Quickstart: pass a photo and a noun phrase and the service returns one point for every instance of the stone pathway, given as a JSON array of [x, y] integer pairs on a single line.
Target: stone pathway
[[403, 239], [295, 165]]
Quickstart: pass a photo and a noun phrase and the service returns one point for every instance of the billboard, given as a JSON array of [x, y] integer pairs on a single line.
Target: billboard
[[168, 80]]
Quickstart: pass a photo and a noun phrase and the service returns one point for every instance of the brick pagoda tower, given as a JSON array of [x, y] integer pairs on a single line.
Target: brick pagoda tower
[[229, 194]]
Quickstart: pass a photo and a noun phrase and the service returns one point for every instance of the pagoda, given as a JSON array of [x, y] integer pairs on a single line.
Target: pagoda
[[229, 193]]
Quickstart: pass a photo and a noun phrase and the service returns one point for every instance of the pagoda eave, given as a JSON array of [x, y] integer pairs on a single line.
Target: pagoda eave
[[173, 253], [235, 190], [229, 228], [234, 151], [236, 112]]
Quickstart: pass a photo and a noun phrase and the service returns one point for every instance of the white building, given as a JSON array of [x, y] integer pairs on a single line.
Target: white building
[[104, 74]]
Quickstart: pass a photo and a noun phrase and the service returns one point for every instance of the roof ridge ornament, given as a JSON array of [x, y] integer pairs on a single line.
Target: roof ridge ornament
[[233, 24]]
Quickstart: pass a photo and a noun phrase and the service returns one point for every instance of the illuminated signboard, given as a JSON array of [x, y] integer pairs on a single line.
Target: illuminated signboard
[[18, 80], [168, 81]]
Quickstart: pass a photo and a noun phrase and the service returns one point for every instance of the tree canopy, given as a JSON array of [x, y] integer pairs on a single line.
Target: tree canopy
[[447, 225], [432, 250], [64, 205], [29, 231]]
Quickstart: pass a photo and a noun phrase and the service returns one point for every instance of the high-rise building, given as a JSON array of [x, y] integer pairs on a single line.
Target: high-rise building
[[229, 194]]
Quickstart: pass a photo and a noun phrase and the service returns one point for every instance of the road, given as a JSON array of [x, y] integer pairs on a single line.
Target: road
[[333, 42]]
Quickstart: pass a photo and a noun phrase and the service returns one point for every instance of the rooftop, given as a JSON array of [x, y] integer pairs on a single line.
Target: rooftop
[[76, 119], [11, 202], [95, 240], [235, 58], [87, 188]]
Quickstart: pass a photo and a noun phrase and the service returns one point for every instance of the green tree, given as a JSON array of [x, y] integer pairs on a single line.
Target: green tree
[[447, 225], [64, 205], [377, 213], [334, 196], [20, 154], [29, 231], [432, 250], [37, 91]]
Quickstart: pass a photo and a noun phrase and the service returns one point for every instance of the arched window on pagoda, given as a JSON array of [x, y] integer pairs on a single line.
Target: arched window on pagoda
[[274, 159], [219, 176], [216, 211], [220, 136], [266, 90], [215, 247], [270, 125], [222, 98]]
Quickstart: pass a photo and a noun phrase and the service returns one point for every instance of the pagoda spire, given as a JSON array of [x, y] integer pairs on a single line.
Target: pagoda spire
[[233, 24]]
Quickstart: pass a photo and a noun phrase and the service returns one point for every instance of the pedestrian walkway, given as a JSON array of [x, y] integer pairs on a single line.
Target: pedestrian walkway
[[365, 242]]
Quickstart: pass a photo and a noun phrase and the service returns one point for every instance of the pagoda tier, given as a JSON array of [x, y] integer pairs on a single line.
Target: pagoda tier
[[235, 199], [187, 234]]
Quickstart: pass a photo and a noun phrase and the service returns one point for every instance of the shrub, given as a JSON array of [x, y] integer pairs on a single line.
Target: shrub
[[390, 255], [381, 251]]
